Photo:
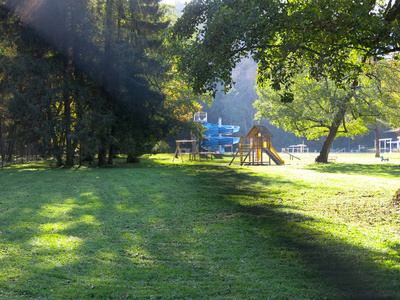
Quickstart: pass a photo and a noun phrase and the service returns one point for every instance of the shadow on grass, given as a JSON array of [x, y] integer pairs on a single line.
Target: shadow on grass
[[176, 232], [355, 271], [384, 170]]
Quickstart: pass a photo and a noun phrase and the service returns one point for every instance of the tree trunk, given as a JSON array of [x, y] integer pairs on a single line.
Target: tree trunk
[[102, 160], [59, 160], [1, 145], [112, 150], [57, 151], [377, 144], [120, 14], [106, 62], [69, 159], [132, 159], [10, 151], [323, 155], [111, 155], [68, 50]]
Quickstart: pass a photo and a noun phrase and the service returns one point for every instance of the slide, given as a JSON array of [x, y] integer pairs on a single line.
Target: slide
[[214, 136], [215, 142], [215, 129], [274, 156]]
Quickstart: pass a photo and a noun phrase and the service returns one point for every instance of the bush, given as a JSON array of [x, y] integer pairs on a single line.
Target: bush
[[161, 147]]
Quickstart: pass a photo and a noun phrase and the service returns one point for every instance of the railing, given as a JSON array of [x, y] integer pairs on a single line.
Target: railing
[[338, 150]]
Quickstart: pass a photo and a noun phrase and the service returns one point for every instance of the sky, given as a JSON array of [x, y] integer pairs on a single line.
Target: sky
[[175, 2]]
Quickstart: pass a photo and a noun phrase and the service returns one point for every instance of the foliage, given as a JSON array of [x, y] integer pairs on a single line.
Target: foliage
[[320, 108], [284, 37], [386, 78], [165, 230], [313, 109], [85, 76], [235, 106], [181, 102], [161, 147]]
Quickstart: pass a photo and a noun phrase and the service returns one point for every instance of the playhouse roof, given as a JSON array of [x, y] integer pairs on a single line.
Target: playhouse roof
[[259, 129]]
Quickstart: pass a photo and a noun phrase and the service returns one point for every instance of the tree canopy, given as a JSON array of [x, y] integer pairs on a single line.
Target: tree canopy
[[85, 75], [320, 108], [284, 37]]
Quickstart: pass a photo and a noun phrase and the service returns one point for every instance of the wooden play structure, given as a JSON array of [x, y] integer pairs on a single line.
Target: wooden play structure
[[252, 147], [192, 151]]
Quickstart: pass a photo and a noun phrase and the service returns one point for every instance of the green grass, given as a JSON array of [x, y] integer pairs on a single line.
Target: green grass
[[163, 230]]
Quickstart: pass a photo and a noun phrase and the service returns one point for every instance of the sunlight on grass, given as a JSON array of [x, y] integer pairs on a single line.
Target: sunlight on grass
[[90, 196], [88, 219], [31, 170], [60, 226], [56, 226], [56, 241], [56, 210], [126, 208]]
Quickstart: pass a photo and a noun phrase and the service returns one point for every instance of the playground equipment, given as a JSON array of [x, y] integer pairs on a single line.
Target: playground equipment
[[193, 151], [254, 145], [213, 143], [291, 155], [215, 136]]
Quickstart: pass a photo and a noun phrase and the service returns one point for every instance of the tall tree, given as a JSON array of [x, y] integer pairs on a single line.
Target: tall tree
[[320, 108], [45, 77], [284, 37], [103, 53], [384, 80]]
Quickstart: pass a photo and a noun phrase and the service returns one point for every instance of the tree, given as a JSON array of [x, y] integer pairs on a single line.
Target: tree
[[386, 80], [138, 75], [92, 85], [321, 108], [236, 106], [284, 37], [39, 76]]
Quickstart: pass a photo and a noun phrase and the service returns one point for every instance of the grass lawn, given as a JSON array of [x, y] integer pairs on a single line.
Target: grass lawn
[[163, 230]]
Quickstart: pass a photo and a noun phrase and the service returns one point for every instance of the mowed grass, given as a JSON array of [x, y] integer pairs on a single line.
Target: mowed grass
[[202, 230]]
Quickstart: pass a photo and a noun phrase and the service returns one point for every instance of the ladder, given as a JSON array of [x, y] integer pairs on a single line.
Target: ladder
[[243, 152]]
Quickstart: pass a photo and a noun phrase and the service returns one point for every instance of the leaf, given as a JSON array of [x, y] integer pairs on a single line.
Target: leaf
[[287, 97]]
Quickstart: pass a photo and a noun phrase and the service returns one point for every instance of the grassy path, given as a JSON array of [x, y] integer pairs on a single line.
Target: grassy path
[[200, 231]]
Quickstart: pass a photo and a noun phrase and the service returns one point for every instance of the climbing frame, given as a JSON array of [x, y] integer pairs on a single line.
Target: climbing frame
[[254, 144]]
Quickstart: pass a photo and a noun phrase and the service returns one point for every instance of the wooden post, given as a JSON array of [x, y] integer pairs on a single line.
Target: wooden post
[[178, 149], [241, 147], [196, 150], [269, 148]]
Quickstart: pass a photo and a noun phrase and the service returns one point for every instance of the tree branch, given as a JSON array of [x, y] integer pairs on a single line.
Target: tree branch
[[392, 13]]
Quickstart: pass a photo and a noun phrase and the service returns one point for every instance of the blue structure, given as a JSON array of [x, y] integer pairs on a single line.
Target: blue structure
[[215, 136]]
